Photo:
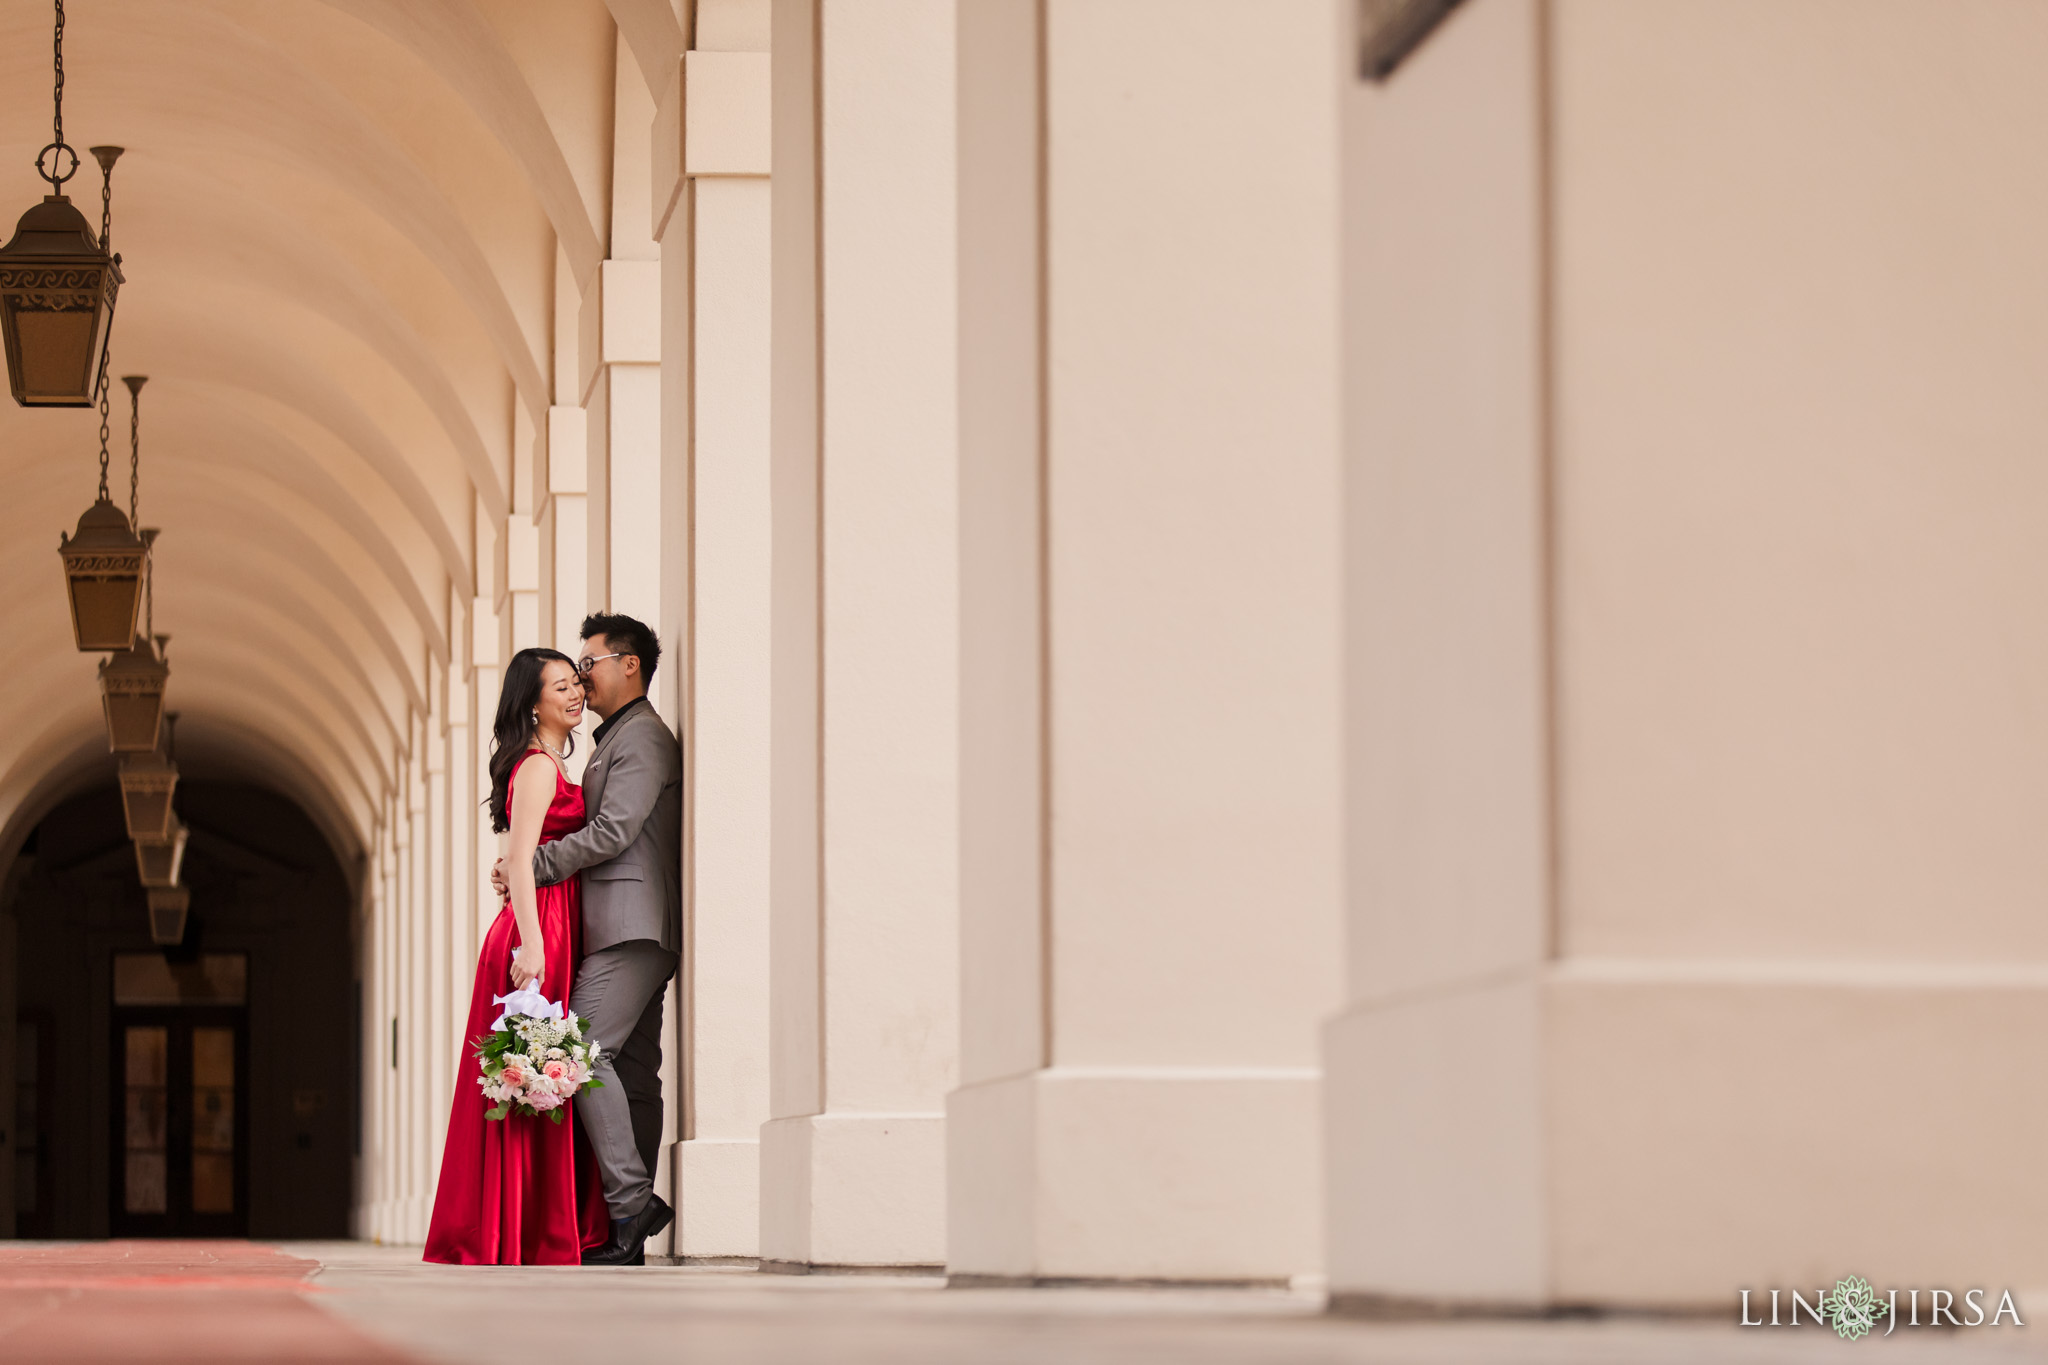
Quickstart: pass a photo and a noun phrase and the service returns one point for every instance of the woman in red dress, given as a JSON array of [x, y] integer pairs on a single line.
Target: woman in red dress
[[509, 1192]]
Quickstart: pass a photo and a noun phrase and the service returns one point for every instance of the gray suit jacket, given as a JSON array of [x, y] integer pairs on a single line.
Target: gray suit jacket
[[630, 852]]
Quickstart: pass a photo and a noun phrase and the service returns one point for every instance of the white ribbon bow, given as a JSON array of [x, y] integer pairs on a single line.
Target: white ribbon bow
[[527, 1001]]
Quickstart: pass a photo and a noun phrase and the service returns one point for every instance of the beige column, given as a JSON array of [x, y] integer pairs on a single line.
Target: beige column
[[484, 905], [796, 1070], [508, 551], [860, 1178], [489, 620], [464, 887], [1701, 737], [423, 1028], [368, 1219], [384, 1042], [384, 1047], [991, 1194], [437, 1074], [561, 474], [1145, 973], [630, 335], [374, 1197], [564, 527], [505, 605], [711, 150], [407, 1006], [621, 349]]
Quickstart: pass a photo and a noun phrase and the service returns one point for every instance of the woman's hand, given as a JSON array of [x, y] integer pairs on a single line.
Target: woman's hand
[[527, 965]]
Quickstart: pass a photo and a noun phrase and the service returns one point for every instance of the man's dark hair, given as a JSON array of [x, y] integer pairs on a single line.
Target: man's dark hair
[[627, 636]]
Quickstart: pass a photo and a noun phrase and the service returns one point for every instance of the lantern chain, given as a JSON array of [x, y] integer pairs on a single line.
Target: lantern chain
[[105, 430], [148, 580], [57, 173], [57, 96], [134, 456]]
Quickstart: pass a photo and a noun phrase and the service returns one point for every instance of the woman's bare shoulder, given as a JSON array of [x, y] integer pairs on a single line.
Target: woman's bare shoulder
[[534, 760]]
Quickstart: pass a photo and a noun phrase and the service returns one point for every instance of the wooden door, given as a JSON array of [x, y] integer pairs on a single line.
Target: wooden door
[[180, 1158]]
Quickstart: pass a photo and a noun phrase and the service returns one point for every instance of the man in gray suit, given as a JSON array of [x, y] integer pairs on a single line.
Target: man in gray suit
[[629, 853]]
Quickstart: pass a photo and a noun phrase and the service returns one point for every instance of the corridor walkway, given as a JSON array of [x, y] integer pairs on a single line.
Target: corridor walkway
[[217, 1302]]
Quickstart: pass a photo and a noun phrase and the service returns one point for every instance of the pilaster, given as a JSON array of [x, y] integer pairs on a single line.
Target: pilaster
[[869, 1149], [1150, 913], [714, 232], [1437, 1191]]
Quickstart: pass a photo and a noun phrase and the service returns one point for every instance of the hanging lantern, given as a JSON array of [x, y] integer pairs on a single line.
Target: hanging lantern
[[158, 861], [57, 289], [105, 565], [132, 690], [147, 782], [168, 906], [58, 281]]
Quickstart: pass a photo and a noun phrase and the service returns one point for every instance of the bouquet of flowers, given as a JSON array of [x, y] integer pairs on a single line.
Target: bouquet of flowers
[[534, 1058]]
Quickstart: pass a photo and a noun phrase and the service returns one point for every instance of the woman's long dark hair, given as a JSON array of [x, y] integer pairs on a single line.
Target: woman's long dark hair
[[512, 733]]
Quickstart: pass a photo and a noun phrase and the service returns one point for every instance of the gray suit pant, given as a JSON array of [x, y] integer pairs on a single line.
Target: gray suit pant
[[618, 995]]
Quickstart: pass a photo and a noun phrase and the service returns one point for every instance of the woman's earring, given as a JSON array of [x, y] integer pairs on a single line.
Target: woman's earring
[[536, 715]]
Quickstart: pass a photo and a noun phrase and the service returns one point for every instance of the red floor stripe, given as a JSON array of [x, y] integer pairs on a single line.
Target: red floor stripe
[[167, 1303]]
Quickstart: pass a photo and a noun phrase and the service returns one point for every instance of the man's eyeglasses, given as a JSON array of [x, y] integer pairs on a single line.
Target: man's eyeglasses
[[586, 663]]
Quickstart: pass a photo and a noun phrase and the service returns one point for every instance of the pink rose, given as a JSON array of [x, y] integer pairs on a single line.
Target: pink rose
[[556, 1071], [513, 1076]]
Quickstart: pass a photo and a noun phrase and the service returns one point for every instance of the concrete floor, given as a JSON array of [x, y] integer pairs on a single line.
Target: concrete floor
[[738, 1317], [220, 1302]]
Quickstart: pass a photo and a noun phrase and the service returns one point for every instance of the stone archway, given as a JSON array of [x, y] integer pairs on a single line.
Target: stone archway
[[212, 1088]]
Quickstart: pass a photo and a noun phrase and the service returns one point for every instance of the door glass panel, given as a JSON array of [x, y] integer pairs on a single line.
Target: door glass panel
[[213, 1120], [145, 1189]]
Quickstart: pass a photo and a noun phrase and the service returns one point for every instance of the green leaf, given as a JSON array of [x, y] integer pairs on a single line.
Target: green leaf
[[497, 1113], [555, 1116]]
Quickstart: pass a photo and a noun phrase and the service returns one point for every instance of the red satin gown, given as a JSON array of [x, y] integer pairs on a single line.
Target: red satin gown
[[509, 1192]]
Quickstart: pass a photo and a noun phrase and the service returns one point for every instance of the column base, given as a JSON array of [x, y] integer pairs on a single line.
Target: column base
[[956, 1280], [1434, 1113], [1654, 1136], [853, 1192], [1132, 1176], [718, 1200], [925, 1268]]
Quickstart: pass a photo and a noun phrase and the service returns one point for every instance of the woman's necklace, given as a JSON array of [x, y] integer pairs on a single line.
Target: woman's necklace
[[552, 750]]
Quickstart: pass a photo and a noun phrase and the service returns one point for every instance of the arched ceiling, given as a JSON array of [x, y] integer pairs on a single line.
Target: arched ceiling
[[341, 222]]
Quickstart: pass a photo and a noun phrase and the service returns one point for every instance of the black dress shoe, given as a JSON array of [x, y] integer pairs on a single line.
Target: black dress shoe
[[629, 1236]]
